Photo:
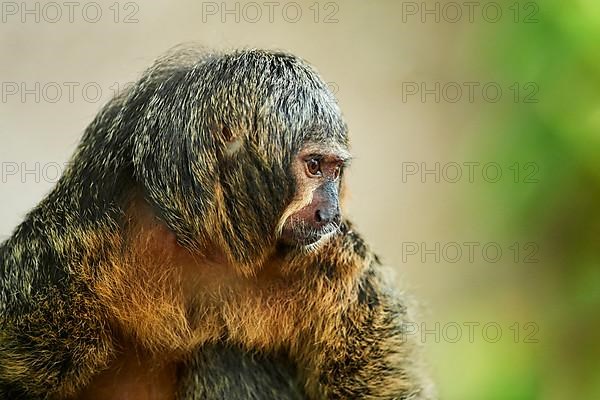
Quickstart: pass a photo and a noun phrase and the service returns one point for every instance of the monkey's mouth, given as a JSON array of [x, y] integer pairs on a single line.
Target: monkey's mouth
[[306, 236]]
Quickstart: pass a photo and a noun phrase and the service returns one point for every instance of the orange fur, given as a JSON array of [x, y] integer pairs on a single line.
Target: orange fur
[[163, 297]]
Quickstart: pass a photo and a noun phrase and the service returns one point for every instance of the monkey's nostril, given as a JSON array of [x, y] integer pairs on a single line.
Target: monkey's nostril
[[318, 216]]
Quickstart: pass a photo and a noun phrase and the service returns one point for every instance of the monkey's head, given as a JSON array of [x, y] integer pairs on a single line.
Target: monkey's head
[[243, 151]]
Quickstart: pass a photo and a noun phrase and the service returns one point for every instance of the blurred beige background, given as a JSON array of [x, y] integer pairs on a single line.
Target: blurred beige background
[[366, 51]]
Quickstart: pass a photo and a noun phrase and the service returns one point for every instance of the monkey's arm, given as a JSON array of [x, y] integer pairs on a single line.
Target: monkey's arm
[[366, 353]]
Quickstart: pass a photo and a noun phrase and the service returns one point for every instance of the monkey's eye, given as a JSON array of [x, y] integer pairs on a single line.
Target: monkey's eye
[[313, 166]]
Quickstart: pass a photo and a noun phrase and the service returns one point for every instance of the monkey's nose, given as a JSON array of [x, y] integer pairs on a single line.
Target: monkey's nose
[[324, 217]]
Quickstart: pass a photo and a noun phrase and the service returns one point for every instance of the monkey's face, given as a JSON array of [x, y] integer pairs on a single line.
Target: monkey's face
[[314, 214]]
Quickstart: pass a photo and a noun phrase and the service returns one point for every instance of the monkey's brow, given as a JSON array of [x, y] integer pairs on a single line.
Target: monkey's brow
[[328, 151], [344, 158]]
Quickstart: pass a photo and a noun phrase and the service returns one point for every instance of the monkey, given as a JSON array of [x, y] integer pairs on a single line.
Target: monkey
[[196, 248]]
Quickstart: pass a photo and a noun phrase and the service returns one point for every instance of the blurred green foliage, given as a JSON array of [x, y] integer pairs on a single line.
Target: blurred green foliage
[[560, 133]]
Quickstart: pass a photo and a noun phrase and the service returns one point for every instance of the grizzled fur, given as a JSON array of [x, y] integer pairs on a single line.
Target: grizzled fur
[[200, 148]]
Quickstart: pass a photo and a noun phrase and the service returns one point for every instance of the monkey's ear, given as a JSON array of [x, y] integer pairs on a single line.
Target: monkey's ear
[[233, 141], [227, 134]]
